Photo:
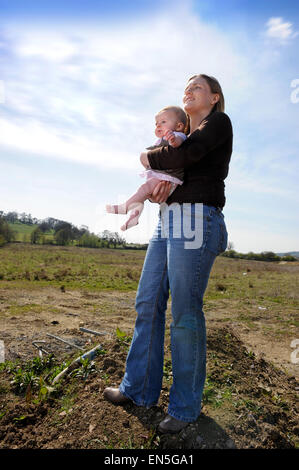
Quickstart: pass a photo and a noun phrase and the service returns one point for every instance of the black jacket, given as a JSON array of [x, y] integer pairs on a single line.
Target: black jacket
[[205, 157]]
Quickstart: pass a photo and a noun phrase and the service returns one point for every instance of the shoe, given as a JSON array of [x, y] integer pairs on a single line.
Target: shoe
[[171, 425], [115, 396]]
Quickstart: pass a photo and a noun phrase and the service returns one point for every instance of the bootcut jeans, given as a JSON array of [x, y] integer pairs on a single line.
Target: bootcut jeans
[[182, 268]]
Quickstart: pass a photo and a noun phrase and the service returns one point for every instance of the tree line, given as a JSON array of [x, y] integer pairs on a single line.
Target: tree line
[[61, 233], [264, 256], [65, 233]]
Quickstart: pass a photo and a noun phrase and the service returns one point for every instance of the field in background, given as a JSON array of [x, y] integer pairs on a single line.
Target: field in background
[[23, 232]]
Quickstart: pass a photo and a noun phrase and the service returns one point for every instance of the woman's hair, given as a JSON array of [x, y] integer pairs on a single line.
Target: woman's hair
[[215, 88], [179, 112]]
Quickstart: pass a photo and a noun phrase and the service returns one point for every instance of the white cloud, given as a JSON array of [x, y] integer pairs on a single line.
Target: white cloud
[[82, 92], [280, 30], [49, 47], [44, 141]]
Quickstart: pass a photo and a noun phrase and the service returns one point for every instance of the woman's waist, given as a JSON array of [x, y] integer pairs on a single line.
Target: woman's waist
[[195, 178], [209, 193]]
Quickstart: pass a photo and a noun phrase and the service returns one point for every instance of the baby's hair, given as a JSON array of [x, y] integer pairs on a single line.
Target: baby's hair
[[180, 113]]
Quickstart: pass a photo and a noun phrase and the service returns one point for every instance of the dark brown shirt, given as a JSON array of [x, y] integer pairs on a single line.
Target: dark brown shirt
[[205, 157], [176, 172]]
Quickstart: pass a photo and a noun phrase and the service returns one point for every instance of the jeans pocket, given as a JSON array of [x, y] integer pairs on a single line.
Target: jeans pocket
[[223, 238], [216, 235]]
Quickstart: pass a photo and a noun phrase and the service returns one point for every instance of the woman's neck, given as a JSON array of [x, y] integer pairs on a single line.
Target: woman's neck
[[197, 118]]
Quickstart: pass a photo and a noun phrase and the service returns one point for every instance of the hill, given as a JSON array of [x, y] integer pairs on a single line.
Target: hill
[[289, 253]]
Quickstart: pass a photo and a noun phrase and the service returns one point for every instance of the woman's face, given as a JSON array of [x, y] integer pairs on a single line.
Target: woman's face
[[198, 96]]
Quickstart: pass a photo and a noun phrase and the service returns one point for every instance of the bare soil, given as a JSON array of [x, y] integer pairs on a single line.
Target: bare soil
[[253, 401]]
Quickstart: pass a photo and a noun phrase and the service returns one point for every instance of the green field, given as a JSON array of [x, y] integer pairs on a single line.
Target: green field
[[75, 267], [260, 288], [120, 269], [23, 232]]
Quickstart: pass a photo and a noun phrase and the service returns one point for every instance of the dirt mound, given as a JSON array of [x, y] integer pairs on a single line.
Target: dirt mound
[[247, 403]]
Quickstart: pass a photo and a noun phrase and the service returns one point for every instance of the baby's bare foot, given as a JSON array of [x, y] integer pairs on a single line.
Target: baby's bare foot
[[132, 221]]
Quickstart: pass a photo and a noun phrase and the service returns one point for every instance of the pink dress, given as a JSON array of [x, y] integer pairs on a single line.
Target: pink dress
[[174, 176]]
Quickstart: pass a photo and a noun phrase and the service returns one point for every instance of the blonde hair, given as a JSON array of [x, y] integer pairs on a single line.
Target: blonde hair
[[215, 88], [180, 114]]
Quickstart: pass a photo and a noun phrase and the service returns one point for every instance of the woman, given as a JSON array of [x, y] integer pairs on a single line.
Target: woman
[[170, 265]]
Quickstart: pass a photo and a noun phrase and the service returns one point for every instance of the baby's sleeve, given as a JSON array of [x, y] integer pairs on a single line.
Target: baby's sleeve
[[180, 134]]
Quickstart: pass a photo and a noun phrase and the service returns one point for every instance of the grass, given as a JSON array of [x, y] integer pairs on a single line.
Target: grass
[[250, 292], [25, 265]]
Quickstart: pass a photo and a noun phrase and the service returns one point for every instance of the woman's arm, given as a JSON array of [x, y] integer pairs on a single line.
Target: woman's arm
[[144, 159], [217, 130]]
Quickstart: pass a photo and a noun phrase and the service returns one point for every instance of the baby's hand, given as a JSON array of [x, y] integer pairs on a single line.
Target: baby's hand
[[170, 137], [202, 125], [174, 141]]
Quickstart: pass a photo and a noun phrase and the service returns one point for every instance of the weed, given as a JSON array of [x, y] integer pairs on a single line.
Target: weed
[[209, 393], [106, 378], [277, 400], [87, 368], [19, 419], [252, 406], [100, 352], [123, 338], [24, 380], [167, 370], [250, 354]]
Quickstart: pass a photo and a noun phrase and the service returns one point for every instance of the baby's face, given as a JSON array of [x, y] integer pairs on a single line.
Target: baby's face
[[165, 120]]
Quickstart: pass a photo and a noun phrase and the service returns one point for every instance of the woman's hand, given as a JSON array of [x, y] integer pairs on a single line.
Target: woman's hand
[[144, 160], [161, 192]]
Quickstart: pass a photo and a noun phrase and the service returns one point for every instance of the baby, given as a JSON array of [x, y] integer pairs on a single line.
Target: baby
[[171, 118]]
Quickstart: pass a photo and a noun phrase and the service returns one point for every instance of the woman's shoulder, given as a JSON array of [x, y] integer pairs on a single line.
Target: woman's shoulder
[[220, 118]]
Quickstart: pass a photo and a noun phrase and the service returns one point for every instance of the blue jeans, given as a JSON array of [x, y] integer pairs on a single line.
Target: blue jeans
[[169, 265]]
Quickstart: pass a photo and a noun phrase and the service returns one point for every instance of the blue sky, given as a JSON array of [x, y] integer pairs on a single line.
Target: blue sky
[[81, 82]]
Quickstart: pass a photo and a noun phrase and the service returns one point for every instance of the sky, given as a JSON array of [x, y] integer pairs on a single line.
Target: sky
[[81, 83]]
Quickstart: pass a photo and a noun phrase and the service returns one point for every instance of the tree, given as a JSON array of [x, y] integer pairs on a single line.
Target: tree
[[36, 235], [288, 258], [269, 256], [6, 233], [107, 237], [117, 239], [89, 240], [44, 226], [63, 236], [230, 246], [11, 217]]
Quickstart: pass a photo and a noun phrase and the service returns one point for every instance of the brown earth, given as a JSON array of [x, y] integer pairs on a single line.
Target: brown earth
[[250, 400]]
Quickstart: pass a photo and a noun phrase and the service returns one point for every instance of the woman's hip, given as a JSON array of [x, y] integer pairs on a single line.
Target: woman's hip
[[195, 226]]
